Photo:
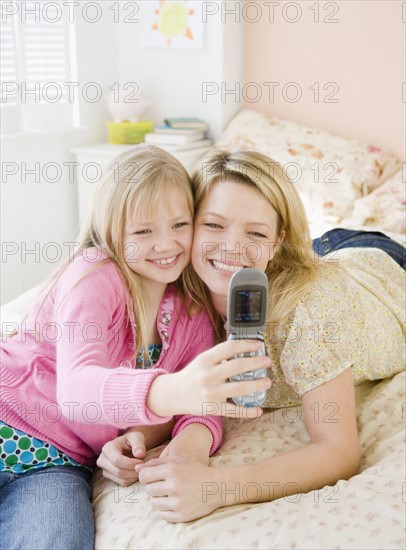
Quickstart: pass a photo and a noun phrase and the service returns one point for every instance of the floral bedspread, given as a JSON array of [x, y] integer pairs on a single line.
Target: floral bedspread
[[368, 511]]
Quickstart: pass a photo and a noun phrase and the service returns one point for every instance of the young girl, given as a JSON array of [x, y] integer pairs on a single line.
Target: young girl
[[87, 360], [333, 322]]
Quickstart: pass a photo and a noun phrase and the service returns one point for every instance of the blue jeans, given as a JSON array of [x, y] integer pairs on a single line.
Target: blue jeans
[[46, 509], [335, 239]]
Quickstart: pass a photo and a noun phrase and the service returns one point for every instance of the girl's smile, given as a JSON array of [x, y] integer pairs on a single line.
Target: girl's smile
[[166, 263], [157, 245]]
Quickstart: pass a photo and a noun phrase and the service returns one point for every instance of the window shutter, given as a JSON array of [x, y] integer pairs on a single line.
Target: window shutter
[[37, 58], [9, 97], [8, 41], [45, 49]]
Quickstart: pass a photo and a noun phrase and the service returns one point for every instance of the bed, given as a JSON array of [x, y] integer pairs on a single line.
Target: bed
[[343, 183]]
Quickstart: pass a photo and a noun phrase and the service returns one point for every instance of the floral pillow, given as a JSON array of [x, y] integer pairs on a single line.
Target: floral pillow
[[331, 170], [385, 208]]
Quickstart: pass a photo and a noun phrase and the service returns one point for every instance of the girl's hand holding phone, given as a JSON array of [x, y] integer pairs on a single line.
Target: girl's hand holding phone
[[202, 388]]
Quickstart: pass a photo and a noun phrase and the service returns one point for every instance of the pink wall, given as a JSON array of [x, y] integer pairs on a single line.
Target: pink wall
[[363, 55]]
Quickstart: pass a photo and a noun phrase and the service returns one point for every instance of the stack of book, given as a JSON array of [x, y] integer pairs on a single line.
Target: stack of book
[[180, 134]]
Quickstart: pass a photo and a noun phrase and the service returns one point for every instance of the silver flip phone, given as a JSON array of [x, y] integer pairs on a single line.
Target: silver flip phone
[[247, 308]]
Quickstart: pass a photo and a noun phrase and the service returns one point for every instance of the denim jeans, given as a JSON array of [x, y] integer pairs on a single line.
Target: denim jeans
[[46, 509], [335, 239]]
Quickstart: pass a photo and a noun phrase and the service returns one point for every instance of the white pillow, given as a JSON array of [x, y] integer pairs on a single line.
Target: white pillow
[[384, 208]]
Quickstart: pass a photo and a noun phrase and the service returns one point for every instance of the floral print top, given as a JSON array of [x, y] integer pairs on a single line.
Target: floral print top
[[355, 321]]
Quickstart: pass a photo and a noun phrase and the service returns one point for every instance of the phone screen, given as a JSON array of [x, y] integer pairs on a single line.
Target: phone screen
[[247, 306]]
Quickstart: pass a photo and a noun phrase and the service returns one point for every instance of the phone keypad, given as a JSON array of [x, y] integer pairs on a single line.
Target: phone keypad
[[253, 399], [251, 354]]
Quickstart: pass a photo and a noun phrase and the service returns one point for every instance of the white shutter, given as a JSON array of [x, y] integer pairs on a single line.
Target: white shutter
[[9, 97], [42, 65], [8, 53], [44, 48]]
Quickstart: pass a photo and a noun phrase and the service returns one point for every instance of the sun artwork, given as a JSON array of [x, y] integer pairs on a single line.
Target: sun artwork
[[173, 20]]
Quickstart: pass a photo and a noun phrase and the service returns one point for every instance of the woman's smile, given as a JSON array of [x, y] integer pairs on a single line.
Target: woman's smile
[[235, 227]]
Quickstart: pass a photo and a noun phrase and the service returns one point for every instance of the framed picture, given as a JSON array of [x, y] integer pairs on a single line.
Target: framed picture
[[172, 24]]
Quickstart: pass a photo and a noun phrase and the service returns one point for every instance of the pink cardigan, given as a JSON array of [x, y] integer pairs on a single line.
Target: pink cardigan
[[66, 376]]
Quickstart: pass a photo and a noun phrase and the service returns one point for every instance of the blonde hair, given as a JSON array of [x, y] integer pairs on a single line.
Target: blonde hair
[[294, 267], [136, 180]]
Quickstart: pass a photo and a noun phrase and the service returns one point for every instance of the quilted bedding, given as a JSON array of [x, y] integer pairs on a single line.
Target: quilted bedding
[[368, 511]]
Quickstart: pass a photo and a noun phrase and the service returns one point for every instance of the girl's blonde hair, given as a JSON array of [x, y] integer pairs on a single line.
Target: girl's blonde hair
[[135, 181], [294, 267]]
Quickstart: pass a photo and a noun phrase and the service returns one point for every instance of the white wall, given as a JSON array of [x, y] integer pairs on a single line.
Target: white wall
[[107, 52], [36, 213], [180, 81], [35, 210]]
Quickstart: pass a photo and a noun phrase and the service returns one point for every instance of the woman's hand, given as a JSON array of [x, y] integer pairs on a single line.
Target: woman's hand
[[189, 449], [192, 443], [180, 489], [202, 388]]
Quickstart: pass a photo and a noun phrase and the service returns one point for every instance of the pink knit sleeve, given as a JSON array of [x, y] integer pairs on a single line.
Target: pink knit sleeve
[[214, 423], [89, 389]]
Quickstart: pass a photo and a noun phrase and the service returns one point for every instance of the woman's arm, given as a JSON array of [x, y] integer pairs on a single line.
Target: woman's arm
[[332, 454], [183, 490]]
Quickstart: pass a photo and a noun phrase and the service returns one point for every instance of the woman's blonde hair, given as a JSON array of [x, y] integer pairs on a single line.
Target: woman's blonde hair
[[294, 267], [136, 180]]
